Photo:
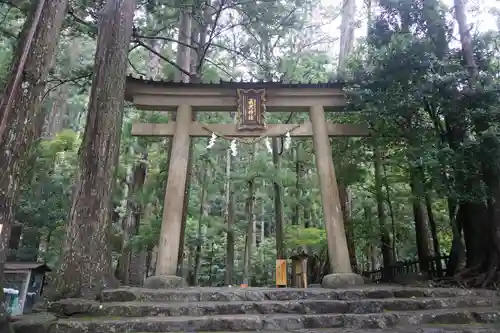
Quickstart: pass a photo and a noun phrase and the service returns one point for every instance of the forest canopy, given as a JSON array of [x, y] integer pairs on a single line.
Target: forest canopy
[[422, 75]]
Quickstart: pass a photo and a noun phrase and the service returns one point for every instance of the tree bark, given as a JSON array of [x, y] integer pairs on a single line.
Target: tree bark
[[385, 237], [154, 63], [421, 223], [432, 224], [204, 209], [58, 119], [481, 221], [54, 120], [345, 205], [465, 39], [391, 213], [434, 233], [346, 33], [278, 205], [21, 114], [299, 174], [183, 59], [249, 208], [229, 218], [127, 272], [86, 264]]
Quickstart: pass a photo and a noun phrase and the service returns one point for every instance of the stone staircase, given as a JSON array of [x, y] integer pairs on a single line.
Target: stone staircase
[[360, 309]]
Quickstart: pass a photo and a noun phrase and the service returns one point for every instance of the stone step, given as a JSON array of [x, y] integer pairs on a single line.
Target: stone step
[[76, 307], [282, 294], [495, 328], [277, 322]]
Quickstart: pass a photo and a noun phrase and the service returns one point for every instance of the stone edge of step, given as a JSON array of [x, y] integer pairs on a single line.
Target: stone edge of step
[[71, 307], [297, 322], [398, 329], [226, 294]]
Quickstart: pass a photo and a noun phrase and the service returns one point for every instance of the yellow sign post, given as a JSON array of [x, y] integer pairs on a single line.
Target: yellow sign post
[[281, 273]]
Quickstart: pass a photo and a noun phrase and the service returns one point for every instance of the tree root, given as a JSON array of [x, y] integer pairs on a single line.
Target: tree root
[[478, 278]]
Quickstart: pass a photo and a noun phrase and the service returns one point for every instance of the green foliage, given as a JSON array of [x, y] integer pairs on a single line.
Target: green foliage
[[311, 238], [46, 197], [402, 79]]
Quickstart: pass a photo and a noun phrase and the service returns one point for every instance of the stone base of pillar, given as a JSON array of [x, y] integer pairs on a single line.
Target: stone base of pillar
[[164, 282], [314, 285], [341, 280]]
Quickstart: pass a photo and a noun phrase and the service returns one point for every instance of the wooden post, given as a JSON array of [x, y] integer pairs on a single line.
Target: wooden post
[[299, 270], [174, 195], [334, 224]]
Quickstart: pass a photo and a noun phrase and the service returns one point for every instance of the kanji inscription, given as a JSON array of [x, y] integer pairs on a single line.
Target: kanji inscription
[[251, 109]]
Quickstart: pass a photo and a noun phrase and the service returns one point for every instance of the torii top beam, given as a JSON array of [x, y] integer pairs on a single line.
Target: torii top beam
[[281, 97]]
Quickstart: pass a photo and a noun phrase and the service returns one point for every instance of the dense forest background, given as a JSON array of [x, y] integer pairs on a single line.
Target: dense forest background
[[419, 73]]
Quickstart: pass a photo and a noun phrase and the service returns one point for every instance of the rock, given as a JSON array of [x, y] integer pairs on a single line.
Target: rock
[[122, 294], [164, 282], [72, 306], [5, 325], [282, 294], [40, 306], [341, 280], [373, 309], [194, 309], [278, 322], [315, 285], [33, 323]]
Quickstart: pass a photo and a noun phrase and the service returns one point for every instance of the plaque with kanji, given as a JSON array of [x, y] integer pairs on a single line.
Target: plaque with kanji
[[251, 109]]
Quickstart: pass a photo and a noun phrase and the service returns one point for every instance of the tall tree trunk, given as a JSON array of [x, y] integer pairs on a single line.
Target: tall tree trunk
[[481, 226], [278, 205], [129, 274], [299, 174], [432, 224], [385, 238], [391, 213], [86, 264], [457, 251], [345, 205], [262, 224], [465, 39], [230, 221], [132, 262], [433, 227], [307, 216], [55, 119], [122, 267], [314, 216], [249, 208], [346, 33], [154, 63], [21, 114], [421, 223], [205, 12], [229, 218], [58, 118], [138, 266], [204, 209], [183, 58]]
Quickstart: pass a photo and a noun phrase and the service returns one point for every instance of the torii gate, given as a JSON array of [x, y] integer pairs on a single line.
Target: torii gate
[[252, 101]]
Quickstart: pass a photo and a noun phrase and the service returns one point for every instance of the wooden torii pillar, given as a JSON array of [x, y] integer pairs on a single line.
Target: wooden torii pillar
[[252, 101]]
